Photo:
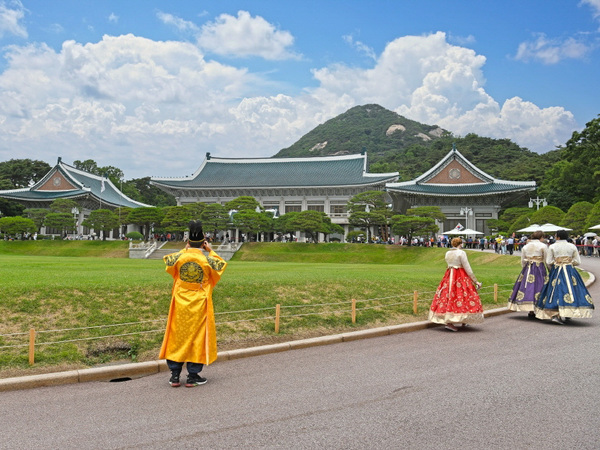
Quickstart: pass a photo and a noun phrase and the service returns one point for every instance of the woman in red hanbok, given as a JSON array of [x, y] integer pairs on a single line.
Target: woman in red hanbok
[[456, 300]]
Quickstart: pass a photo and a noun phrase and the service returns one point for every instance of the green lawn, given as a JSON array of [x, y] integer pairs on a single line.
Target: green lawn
[[314, 284], [106, 249]]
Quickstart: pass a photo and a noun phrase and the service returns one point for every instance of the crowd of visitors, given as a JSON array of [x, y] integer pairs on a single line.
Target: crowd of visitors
[[586, 245]]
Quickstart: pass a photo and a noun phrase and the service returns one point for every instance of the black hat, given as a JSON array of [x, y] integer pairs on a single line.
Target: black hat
[[196, 233]]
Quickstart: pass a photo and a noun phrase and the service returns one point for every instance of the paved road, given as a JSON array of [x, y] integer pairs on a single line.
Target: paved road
[[510, 383]]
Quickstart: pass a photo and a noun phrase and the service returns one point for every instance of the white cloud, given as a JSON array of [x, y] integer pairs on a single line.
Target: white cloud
[[421, 75], [124, 100], [426, 79], [11, 16], [54, 28], [552, 51], [360, 46], [595, 5], [245, 36], [155, 108], [462, 40], [530, 126], [184, 26], [113, 18]]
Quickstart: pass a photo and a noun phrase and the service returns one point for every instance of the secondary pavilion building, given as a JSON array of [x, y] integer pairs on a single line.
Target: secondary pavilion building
[[282, 184], [464, 193], [90, 191]]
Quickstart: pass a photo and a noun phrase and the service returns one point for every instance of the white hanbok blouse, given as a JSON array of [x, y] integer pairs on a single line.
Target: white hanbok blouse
[[457, 258], [534, 250], [562, 249]]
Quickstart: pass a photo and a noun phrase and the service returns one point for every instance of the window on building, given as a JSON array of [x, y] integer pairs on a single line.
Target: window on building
[[337, 209], [320, 208], [293, 208]]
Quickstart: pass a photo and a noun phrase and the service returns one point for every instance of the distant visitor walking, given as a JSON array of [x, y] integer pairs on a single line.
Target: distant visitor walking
[[564, 296], [456, 300], [191, 335], [533, 276]]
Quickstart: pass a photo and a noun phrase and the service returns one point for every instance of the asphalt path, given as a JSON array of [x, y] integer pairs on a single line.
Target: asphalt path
[[509, 383]]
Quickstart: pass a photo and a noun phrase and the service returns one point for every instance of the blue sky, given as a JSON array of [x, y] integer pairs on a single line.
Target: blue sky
[[150, 87]]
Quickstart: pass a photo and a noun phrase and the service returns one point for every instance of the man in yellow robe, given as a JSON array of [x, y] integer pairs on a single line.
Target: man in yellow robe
[[191, 335]]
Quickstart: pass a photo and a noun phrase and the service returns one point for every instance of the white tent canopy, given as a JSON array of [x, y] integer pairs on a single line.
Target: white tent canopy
[[546, 228], [463, 232], [530, 228], [551, 227], [595, 227]]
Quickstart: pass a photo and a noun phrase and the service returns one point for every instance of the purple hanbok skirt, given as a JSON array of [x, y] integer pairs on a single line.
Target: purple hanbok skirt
[[528, 287]]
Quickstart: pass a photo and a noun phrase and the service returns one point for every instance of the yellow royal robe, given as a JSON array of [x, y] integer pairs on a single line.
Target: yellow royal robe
[[191, 334]]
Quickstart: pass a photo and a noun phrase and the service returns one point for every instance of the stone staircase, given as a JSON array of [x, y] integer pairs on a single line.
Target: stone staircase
[[224, 251], [160, 252]]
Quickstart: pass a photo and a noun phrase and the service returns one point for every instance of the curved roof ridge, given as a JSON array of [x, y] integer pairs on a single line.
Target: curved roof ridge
[[83, 184], [495, 181], [452, 155], [288, 159], [278, 172]]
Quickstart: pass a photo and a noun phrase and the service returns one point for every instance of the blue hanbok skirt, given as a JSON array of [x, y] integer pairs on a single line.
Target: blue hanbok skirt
[[565, 295], [528, 287]]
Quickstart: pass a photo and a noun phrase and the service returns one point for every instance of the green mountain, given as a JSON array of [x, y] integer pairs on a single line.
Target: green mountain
[[370, 126], [397, 144]]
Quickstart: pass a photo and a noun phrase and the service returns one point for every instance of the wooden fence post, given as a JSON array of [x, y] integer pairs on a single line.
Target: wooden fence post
[[415, 300], [495, 292], [31, 346], [353, 310], [277, 315]]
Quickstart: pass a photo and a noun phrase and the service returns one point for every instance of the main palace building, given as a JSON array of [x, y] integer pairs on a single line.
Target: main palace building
[[464, 193]]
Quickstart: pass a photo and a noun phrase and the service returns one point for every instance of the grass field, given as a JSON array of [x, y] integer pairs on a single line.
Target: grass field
[[105, 249], [313, 283]]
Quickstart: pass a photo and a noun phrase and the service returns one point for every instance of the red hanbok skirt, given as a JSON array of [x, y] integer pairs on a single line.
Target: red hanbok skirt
[[456, 299]]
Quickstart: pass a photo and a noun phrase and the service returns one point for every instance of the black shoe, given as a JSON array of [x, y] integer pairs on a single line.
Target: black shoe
[[531, 315], [174, 380], [194, 379]]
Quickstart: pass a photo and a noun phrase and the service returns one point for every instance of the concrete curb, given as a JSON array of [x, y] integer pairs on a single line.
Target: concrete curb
[[591, 280], [124, 372]]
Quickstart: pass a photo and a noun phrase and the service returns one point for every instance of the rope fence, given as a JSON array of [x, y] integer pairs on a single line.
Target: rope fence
[[37, 338]]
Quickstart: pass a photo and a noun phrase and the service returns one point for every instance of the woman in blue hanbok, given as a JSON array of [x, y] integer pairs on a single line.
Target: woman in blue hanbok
[[533, 276], [564, 296]]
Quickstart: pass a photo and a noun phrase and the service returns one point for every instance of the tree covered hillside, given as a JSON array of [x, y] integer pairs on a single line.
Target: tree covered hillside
[[370, 126], [397, 144]]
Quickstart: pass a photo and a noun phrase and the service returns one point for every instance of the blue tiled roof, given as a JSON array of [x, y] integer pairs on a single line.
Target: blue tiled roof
[[279, 172], [85, 184], [461, 189], [27, 194]]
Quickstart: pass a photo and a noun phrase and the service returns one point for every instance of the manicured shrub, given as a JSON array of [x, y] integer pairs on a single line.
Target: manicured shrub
[[135, 235]]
